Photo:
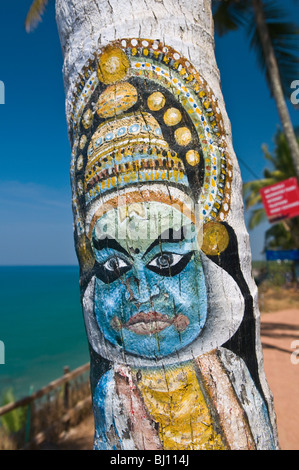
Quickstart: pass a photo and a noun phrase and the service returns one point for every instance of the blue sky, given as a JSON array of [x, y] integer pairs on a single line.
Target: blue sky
[[35, 196]]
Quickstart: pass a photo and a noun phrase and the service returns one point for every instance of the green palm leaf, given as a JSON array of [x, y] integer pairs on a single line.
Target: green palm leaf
[[281, 159], [285, 234], [282, 168], [34, 15], [251, 191], [284, 36], [253, 200], [257, 216], [279, 236], [230, 15]]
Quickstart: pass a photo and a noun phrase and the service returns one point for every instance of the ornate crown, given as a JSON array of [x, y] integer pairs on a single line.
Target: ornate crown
[[146, 116]]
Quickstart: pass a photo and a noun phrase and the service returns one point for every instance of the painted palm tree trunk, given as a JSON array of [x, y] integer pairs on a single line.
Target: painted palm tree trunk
[[169, 303]]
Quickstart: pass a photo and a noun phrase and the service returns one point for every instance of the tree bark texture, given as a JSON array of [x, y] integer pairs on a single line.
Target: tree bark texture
[[169, 303], [275, 81]]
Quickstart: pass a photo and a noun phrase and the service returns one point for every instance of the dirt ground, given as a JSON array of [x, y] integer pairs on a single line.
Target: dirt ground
[[277, 299], [280, 341]]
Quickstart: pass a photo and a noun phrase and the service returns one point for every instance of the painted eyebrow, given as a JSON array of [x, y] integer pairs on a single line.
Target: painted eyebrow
[[169, 236], [108, 242]]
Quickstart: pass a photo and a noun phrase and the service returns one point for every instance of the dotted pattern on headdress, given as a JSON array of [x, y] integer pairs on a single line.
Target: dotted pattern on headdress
[[144, 76]]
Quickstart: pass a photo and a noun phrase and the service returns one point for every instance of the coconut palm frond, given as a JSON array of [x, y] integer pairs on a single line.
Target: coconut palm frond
[[281, 158], [285, 234], [282, 168], [279, 237], [253, 200], [267, 154], [267, 173], [276, 175], [284, 36], [257, 216], [34, 15], [230, 15], [255, 186]]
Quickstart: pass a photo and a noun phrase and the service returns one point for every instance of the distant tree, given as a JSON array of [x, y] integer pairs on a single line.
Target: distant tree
[[285, 234], [276, 43]]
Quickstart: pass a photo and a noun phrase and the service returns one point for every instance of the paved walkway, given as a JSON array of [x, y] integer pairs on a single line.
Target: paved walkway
[[280, 340]]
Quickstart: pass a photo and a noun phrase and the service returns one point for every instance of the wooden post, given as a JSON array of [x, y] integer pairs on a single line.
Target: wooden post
[[44, 391], [169, 303], [30, 409], [66, 371]]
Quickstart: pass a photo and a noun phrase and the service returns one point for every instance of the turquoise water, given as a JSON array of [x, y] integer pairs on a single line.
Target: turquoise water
[[41, 325]]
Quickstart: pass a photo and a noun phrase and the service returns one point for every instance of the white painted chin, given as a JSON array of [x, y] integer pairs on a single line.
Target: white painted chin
[[225, 314]]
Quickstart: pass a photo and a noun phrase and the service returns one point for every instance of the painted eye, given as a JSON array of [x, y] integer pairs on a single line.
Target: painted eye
[[166, 260], [169, 264], [114, 264], [111, 269]]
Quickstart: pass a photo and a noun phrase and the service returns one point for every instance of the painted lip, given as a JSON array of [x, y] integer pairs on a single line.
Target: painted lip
[[148, 323]]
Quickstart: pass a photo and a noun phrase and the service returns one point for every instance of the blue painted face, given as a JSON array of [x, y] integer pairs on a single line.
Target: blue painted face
[[150, 301]]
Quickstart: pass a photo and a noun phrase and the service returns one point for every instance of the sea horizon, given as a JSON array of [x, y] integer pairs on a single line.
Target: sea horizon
[[41, 325]]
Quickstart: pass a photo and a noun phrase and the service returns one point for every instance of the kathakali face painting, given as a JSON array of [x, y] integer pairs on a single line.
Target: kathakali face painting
[[162, 289], [150, 173], [153, 284]]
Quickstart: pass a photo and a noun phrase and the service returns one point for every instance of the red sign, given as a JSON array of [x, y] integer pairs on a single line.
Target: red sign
[[281, 200]]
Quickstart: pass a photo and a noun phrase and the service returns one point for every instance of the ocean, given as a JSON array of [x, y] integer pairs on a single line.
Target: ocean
[[41, 326]]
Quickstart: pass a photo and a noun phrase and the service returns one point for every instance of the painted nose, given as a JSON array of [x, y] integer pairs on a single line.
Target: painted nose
[[140, 289]]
